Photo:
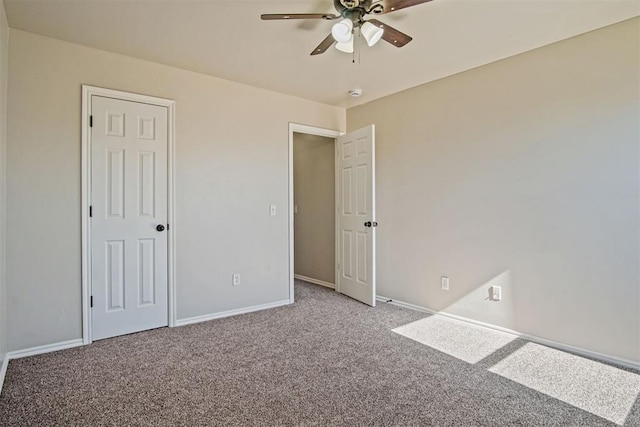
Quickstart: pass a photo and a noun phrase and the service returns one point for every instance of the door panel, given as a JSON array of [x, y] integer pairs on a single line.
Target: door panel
[[129, 276], [115, 275], [356, 265], [146, 268], [361, 250], [147, 169], [115, 183]]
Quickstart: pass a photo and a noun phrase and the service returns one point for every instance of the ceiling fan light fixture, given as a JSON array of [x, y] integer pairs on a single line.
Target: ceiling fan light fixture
[[346, 47], [371, 33], [341, 31]]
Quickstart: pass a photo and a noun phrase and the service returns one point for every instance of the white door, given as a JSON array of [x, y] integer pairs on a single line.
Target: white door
[[356, 215], [129, 143]]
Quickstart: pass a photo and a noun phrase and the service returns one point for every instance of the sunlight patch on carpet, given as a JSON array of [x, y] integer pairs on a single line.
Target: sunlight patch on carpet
[[600, 389], [461, 340]]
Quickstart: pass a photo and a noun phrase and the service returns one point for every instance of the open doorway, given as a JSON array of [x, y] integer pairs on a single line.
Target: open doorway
[[314, 209], [304, 241], [354, 223]]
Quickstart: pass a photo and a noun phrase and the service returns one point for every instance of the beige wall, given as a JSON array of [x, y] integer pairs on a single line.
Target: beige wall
[[231, 163], [4, 71], [314, 196], [523, 173]]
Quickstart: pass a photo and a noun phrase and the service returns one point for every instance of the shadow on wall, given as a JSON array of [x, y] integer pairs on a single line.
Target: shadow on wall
[[496, 311]]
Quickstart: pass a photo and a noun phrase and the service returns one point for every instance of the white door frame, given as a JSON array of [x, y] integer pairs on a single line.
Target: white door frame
[[311, 130], [87, 92]]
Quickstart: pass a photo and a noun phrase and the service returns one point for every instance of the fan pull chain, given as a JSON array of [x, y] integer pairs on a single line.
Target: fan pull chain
[[356, 46]]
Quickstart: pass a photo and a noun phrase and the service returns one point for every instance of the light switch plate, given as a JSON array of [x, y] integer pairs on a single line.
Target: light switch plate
[[495, 293]]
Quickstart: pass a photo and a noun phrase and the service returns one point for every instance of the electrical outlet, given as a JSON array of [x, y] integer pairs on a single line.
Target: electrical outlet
[[272, 210], [235, 279], [444, 283], [295, 208], [495, 293]]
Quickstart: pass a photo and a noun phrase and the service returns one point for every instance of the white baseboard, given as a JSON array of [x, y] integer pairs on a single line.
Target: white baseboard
[[47, 348], [41, 349], [314, 281], [543, 341], [3, 370], [206, 317]]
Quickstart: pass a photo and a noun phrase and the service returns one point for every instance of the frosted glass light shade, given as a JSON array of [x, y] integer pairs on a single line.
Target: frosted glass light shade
[[341, 31], [371, 33], [345, 46]]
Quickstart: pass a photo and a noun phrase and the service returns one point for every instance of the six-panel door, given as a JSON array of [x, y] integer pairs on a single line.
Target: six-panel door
[[356, 207], [129, 143]]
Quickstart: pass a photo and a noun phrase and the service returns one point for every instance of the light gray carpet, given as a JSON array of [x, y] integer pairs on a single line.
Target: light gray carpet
[[327, 360]]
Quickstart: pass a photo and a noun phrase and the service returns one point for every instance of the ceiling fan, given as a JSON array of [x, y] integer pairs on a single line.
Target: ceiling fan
[[351, 14]]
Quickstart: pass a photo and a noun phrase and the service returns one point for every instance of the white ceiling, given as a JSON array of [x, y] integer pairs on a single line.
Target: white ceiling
[[226, 38]]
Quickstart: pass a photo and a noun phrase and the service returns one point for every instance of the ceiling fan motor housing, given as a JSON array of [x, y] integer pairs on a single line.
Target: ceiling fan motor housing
[[349, 4], [354, 9]]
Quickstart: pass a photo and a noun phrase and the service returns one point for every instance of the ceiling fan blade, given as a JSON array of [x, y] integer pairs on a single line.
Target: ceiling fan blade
[[276, 16], [393, 5], [391, 35], [324, 45]]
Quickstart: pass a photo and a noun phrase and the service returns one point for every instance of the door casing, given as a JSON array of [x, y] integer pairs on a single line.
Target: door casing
[[87, 93]]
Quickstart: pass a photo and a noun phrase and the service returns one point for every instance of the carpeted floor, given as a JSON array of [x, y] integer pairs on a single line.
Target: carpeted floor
[[327, 360]]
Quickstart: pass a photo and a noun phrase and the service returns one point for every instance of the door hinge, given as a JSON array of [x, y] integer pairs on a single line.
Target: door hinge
[[91, 301], [90, 211], [90, 121]]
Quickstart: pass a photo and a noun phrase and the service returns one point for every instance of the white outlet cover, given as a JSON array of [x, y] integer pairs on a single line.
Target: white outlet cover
[[444, 283], [272, 210]]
